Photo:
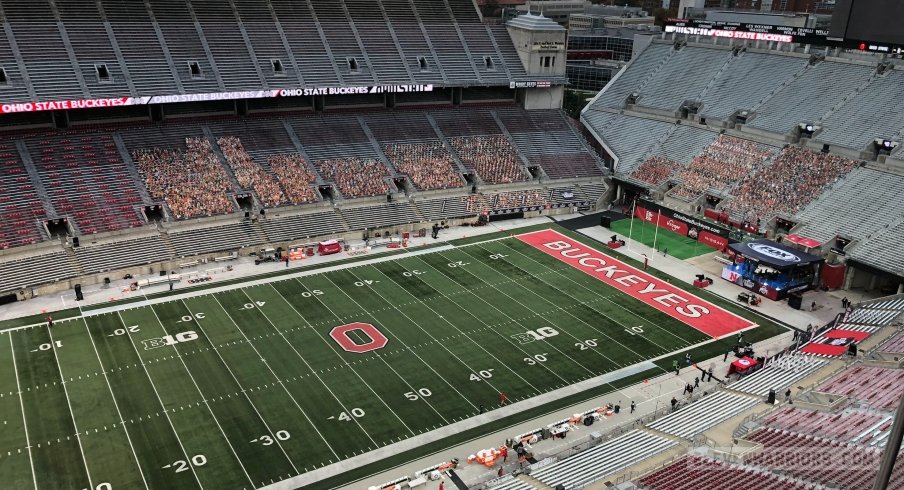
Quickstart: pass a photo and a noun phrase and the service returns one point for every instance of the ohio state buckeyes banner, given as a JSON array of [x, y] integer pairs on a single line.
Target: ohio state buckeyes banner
[[656, 293]]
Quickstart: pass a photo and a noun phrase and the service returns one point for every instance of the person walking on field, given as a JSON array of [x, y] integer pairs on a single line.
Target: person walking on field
[[633, 406], [504, 452], [502, 398]]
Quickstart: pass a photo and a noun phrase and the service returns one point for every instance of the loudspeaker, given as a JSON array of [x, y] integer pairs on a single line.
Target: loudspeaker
[[560, 487], [78, 292], [605, 221], [795, 301], [770, 399], [263, 211], [75, 242], [162, 273], [107, 280], [247, 214]]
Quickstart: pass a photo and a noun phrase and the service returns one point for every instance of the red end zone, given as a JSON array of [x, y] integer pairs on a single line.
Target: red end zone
[[673, 301]]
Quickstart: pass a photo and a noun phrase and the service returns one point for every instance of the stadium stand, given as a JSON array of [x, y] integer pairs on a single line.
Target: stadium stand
[[214, 239], [878, 387], [883, 249], [780, 446], [842, 210], [628, 137], [517, 199], [807, 97], [697, 471], [793, 180], [303, 226], [249, 174], [295, 177], [867, 114], [853, 426], [429, 166], [699, 416], [370, 217], [39, 269], [780, 374], [894, 344], [694, 68], [86, 179], [192, 182], [453, 207], [631, 78], [655, 170], [20, 205], [116, 255], [212, 47], [725, 161], [604, 459], [746, 81], [512, 483]]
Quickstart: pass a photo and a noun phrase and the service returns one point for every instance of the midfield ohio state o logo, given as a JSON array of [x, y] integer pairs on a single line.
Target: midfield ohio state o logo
[[377, 339]]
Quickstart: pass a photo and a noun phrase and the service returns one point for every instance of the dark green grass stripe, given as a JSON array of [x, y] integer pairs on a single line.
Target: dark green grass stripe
[[567, 323], [456, 320], [500, 325], [384, 424], [107, 448], [270, 325], [443, 399], [56, 451], [15, 464], [632, 310], [155, 442], [545, 289], [193, 421], [215, 381], [276, 405]]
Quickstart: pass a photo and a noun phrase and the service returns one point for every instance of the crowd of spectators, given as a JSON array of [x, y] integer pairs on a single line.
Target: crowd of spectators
[[475, 203], [428, 165], [249, 174], [355, 177], [724, 161], [795, 179], [295, 177], [655, 170], [518, 199], [193, 183], [492, 157]]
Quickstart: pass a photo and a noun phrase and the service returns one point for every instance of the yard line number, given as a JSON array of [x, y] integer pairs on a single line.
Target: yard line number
[[423, 392], [266, 440], [344, 416], [536, 359], [481, 375], [123, 331], [49, 345], [181, 465], [587, 344], [634, 330]]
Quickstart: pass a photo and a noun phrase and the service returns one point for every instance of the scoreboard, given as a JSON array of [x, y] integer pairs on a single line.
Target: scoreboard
[[863, 41], [874, 23]]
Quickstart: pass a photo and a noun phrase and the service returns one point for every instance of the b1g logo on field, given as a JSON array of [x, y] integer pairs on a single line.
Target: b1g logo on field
[[341, 336]]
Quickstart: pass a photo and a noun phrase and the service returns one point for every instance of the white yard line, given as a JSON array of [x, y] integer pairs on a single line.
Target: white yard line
[[313, 371], [437, 341], [277, 379], [204, 399], [560, 273], [122, 422], [561, 330], [160, 400], [339, 355], [78, 437], [214, 347], [22, 406], [512, 320], [410, 351]]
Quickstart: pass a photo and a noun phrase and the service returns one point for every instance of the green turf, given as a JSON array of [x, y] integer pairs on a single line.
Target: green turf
[[676, 245], [242, 388]]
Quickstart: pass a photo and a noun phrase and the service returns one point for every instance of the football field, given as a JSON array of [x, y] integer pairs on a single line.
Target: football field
[[250, 385]]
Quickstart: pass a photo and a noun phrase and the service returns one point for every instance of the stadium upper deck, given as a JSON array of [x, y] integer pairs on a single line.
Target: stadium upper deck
[[77, 50]]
